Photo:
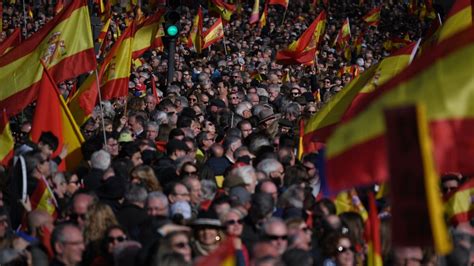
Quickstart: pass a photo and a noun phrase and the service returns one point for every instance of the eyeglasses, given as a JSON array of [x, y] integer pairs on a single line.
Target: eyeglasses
[[311, 112], [233, 222], [192, 99], [76, 182], [181, 245], [189, 173], [274, 237], [342, 249], [112, 239]]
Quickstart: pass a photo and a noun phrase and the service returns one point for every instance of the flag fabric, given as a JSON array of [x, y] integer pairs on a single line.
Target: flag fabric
[[349, 201], [1, 16], [344, 35], [59, 121], [195, 34], [6, 140], [11, 42], [339, 108], [64, 44], [300, 140], [147, 34], [373, 17], [303, 50], [459, 204], [255, 12], [458, 19], [359, 40], [43, 198], [395, 43], [214, 34], [224, 255], [222, 8], [283, 3], [59, 6], [115, 70], [372, 235], [103, 32], [363, 152], [83, 102], [263, 18]]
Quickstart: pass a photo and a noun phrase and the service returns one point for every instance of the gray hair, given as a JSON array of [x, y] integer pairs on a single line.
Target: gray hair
[[160, 117], [274, 87], [268, 165], [270, 222], [59, 178], [157, 195], [136, 194], [208, 189], [245, 173], [257, 142], [241, 107], [153, 124], [292, 108], [100, 160]]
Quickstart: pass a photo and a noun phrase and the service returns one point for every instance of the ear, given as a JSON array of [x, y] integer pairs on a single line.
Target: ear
[[58, 247]]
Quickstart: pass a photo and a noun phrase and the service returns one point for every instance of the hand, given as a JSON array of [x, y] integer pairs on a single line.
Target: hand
[[20, 244], [123, 120], [64, 151], [26, 204]]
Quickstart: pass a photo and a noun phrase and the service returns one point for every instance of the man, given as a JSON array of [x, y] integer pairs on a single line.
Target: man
[[245, 127], [166, 166], [137, 125], [150, 103], [152, 130], [193, 185], [40, 225], [157, 204], [68, 245], [231, 144], [80, 203], [276, 232], [112, 145], [132, 214], [309, 162], [100, 162], [274, 170], [204, 141], [178, 192]]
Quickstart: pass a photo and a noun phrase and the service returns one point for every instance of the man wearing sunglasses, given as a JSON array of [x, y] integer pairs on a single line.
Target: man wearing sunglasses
[[276, 232]]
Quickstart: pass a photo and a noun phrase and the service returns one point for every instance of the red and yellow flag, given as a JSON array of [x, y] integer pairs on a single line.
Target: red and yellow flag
[[103, 32], [6, 140], [224, 255], [213, 34], [339, 108], [459, 204], [255, 12], [373, 17], [349, 201], [283, 3], [222, 8], [395, 43], [43, 198], [59, 6], [147, 34], [303, 50], [344, 35], [458, 19], [263, 18], [84, 100], [359, 143], [58, 120], [195, 34], [372, 235], [11, 42], [64, 44], [115, 70]]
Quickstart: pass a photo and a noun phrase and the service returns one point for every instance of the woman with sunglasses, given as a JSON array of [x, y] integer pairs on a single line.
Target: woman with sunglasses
[[338, 249], [233, 223], [113, 235]]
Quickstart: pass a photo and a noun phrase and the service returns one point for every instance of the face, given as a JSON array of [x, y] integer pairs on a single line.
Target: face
[[70, 251], [180, 244], [278, 175], [80, 205], [208, 236], [278, 235], [136, 159], [195, 193], [114, 237], [45, 150], [449, 186], [246, 129], [180, 193], [270, 188], [156, 207], [233, 224], [3, 226], [311, 169], [73, 184], [150, 103], [209, 127], [151, 133], [345, 255], [112, 147]]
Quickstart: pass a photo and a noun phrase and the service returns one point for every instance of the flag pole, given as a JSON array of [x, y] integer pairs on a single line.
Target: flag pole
[[224, 41], [284, 16], [100, 106]]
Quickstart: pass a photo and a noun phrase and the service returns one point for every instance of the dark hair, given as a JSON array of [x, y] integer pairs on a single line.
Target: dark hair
[[175, 132], [296, 256], [129, 149], [184, 121], [48, 138]]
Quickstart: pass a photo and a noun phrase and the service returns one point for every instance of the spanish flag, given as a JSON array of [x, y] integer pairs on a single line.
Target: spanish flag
[[459, 204], [255, 11], [224, 255], [11, 42], [103, 32], [303, 50], [359, 144], [344, 35], [458, 19], [213, 34], [43, 198], [395, 43], [147, 34], [263, 18], [64, 44], [195, 34], [222, 8], [358, 43], [339, 108], [6, 140], [115, 70], [372, 235], [283, 3], [349, 201], [52, 114], [84, 100], [373, 17]]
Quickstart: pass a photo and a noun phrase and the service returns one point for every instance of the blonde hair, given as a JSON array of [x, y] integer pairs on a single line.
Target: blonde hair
[[147, 177], [99, 217]]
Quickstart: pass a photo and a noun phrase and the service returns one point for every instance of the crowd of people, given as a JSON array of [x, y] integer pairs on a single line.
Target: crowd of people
[[212, 157]]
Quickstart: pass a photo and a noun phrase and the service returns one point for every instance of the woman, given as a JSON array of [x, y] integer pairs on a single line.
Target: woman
[[144, 175], [233, 227], [338, 249], [115, 234], [188, 169], [174, 242], [207, 233], [99, 218]]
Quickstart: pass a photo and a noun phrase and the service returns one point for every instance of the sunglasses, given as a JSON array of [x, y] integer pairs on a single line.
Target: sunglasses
[[112, 239], [181, 245], [274, 237], [76, 217], [189, 173], [192, 99], [234, 222], [342, 249]]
